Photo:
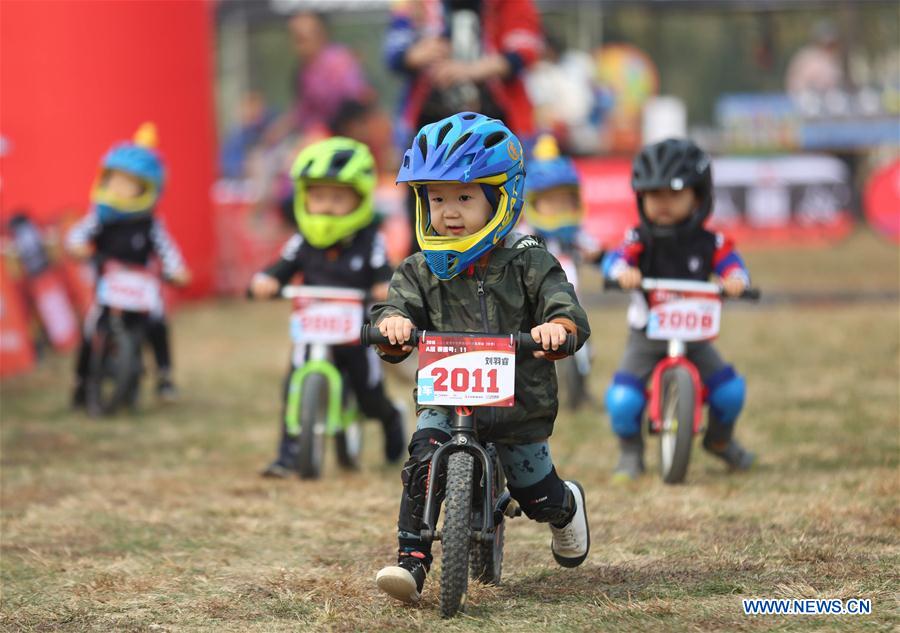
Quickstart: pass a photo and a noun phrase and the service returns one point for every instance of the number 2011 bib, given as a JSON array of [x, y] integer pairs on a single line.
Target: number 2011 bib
[[465, 370]]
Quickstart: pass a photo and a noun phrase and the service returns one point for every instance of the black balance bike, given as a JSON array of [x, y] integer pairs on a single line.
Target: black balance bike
[[476, 499]]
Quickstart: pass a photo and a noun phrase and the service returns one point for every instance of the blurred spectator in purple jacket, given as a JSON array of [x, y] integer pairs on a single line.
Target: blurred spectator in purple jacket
[[329, 74]]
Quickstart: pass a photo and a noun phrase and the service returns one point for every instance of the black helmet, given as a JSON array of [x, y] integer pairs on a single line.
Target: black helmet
[[673, 164]]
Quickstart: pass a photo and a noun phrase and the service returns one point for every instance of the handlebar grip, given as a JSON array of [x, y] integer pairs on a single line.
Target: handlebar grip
[[611, 284], [524, 343], [371, 335], [751, 294]]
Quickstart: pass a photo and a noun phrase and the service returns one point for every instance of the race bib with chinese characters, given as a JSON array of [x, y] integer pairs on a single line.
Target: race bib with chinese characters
[[467, 370]]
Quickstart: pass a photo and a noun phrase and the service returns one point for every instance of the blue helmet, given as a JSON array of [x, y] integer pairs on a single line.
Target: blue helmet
[[467, 148], [547, 174], [548, 170], [137, 159]]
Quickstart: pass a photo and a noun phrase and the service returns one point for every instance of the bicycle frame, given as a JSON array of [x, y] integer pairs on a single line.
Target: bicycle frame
[[676, 357], [317, 361]]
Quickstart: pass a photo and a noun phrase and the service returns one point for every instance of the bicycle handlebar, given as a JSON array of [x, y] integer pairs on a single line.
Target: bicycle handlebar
[[749, 294], [371, 335], [314, 292]]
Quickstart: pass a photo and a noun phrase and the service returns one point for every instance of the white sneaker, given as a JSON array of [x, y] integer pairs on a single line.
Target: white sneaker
[[404, 580], [570, 544]]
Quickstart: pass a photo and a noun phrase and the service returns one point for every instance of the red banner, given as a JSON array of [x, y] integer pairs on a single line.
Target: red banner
[[16, 351], [79, 76], [882, 201]]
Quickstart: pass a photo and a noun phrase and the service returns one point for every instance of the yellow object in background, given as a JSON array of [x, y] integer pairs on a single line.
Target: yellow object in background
[[146, 135]]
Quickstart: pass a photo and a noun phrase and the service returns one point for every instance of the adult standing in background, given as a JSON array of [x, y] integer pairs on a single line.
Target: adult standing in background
[[329, 74], [816, 68], [460, 55]]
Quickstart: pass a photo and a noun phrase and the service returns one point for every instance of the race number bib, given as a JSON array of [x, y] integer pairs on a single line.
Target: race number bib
[[328, 322], [467, 370], [129, 290], [689, 318]]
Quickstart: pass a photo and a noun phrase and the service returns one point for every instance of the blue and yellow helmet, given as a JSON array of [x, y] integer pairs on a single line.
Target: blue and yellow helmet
[[469, 148], [139, 159], [548, 170]]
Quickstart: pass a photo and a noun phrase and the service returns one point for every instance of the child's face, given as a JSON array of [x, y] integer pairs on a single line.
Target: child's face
[[556, 201], [458, 209], [667, 207], [122, 185], [331, 199]]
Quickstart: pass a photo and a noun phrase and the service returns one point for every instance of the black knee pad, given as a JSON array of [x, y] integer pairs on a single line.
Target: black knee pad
[[547, 501], [415, 477]]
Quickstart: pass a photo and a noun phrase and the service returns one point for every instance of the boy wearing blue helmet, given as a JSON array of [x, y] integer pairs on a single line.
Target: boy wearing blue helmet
[[554, 209], [121, 225], [474, 275]]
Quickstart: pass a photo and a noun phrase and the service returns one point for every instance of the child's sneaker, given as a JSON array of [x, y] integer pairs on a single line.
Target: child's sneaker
[[732, 453], [286, 464], [279, 470], [79, 396], [404, 581], [165, 388], [631, 459], [395, 435], [571, 542]]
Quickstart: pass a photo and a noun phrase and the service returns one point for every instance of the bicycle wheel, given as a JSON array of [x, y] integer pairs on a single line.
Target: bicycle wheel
[[348, 442], [313, 421], [677, 434], [113, 370], [486, 557], [456, 534]]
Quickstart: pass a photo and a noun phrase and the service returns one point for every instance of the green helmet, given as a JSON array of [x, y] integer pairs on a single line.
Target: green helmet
[[341, 161]]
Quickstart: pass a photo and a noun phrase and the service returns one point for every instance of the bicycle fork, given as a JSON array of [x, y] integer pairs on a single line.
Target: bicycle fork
[[463, 439]]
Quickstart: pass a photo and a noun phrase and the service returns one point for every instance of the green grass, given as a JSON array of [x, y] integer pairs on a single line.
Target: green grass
[[159, 522]]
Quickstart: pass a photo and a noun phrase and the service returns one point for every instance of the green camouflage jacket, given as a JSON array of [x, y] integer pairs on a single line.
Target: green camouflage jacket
[[522, 286]]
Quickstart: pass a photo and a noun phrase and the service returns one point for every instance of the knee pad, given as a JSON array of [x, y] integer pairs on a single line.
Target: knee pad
[[726, 395], [547, 501], [415, 474], [625, 402]]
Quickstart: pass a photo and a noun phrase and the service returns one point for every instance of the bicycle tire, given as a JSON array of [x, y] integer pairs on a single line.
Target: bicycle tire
[[112, 371], [348, 445], [678, 408], [486, 558], [456, 534], [313, 422]]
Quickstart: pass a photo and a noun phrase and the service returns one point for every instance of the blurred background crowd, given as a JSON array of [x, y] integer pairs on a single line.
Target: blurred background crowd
[[798, 100]]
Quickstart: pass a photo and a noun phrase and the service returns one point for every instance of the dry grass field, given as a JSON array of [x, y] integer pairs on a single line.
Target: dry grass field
[[158, 521]]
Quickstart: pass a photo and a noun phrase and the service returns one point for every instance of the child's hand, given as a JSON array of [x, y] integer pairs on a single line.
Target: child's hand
[[398, 329], [550, 336], [264, 286], [734, 286], [80, 251], [181, 277], [630, 278]]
